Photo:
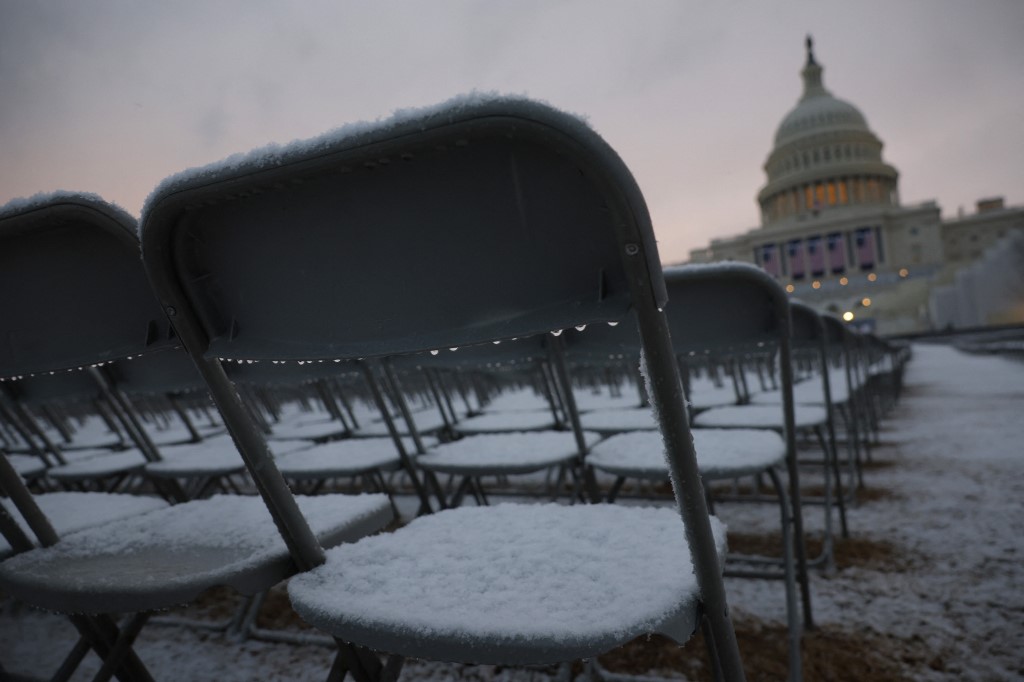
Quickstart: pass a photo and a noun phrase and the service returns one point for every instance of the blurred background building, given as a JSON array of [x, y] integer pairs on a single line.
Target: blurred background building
[[834, 232]]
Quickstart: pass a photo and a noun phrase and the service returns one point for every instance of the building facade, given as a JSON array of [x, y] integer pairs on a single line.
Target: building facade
[[833, 230]]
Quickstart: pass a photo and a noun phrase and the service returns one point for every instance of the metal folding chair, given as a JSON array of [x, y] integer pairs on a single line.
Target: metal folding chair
[[75, 296], [481, 220]]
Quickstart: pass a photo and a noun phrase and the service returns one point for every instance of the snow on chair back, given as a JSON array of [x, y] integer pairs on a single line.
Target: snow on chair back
[[431, 231], [85, 298]]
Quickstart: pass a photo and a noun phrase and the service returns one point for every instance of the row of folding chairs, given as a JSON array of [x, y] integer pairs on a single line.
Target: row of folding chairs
[[481, 221], [370, 255]]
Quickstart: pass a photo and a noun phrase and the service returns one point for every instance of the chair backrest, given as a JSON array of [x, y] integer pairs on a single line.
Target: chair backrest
[[724, 307], [83, 297], [446, 225], [481, 220]]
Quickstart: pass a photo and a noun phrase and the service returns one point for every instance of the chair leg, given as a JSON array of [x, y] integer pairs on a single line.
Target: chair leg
[[795, 633], [122, 646]]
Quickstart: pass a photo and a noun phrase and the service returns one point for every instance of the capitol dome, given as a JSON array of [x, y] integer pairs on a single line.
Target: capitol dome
[[825, 156]]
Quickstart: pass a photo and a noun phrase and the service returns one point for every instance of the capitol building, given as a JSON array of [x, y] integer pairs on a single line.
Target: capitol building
[[834, 232]]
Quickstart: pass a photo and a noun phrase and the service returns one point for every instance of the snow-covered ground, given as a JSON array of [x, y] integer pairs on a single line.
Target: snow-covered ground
[[948, 502]]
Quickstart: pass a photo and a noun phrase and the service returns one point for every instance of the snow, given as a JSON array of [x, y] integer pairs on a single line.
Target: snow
[[759, 416], [516, 421], [69, 512], [951, 469], [40, 199], [720, 452], [348, 135], [619, 420], [508, 453], [103, 465], [343, 457], [476, 575], [169, 556]]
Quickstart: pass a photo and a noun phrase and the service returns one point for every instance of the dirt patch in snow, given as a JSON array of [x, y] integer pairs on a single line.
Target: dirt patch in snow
[[829, 653], [853, 552]]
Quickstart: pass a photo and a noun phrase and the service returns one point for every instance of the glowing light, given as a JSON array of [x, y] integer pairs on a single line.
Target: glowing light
[[843, 281], [556, 332], [865, 301], [434, 352], [904, 272], [848, 316], [790, 288], [872, 277], [613, 324], [815, 284], [580, 327]]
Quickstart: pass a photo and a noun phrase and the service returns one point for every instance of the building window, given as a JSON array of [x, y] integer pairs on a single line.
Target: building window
[[831, 193], [864, 240], [843, 199], [836, 253]]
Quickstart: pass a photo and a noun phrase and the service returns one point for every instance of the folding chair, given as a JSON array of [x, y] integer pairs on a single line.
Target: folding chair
[[477, 221], [83, 299], [718, 311]]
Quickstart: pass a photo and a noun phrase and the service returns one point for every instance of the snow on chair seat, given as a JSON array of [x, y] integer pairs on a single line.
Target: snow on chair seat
[[759, 417], [613, 421], [512, 584], [507, 421], [73, 511], [215, 457], [169, 556], [721, 453], [101, 466], [341, 458], [27, 466], [504, 453]]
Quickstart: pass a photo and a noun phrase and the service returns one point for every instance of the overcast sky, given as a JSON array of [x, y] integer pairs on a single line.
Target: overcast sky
[[111, 96]]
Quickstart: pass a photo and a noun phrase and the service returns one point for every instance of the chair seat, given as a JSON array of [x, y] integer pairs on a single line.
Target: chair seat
[[703, 397], [809, 392], [169, 556], [217, 457], [511, 584], [613, 421], [342, 458], [426, 421], [27, 466], [504, 453], [507, 421], [759, 417], [99, 466], [721, 453], [69, 512], [307, 429]]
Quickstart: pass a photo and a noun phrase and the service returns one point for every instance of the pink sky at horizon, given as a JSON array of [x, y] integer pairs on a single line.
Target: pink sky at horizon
[[114, 96]]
